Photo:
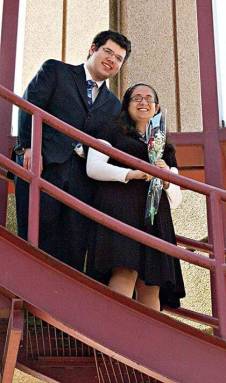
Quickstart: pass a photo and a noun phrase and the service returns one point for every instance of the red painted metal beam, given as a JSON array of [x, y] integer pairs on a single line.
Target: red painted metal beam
[[215, 166], [107, 321], [5, 305], [214, 163], [31, 369], [7, 72], [60, 370], [213, 159], [13, 338]]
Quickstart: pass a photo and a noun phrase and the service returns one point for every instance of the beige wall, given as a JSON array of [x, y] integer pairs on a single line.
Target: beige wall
[[44, 37], [188, 87], [164, 46], [85, 20], [165, 54]]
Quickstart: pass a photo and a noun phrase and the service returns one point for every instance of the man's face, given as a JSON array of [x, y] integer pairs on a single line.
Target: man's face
[[106, 61]]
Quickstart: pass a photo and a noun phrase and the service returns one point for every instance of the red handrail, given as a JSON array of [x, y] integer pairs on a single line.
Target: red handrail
[[215, 195]]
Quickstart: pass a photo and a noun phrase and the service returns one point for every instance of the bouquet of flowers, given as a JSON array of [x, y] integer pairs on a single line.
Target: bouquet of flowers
[[155, 138]]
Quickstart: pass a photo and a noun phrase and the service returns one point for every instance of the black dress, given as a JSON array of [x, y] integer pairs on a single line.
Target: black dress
[[126, 202]]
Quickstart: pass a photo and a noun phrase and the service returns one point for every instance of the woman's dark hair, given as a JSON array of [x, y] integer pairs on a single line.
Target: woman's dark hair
[[125, 121], [102, 37]]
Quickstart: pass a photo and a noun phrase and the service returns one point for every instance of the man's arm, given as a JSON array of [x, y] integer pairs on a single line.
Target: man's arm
[[39, 93]]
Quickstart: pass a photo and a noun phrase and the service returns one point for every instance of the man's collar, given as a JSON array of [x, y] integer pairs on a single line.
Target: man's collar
[[89, 77]]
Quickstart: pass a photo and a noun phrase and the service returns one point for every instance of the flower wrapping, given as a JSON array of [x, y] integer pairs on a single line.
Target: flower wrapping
[[156, 139]]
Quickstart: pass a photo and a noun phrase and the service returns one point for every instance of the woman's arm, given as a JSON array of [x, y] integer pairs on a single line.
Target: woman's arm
[[173, 192], [98, 168]]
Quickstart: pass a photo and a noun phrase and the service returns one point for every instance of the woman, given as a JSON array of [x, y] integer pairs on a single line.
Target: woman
[[127, 264]]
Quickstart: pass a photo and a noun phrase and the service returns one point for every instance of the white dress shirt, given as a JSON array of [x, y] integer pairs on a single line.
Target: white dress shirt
[[95, 89]]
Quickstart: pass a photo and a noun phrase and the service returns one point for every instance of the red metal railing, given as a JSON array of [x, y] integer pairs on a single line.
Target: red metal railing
[[215, 195]]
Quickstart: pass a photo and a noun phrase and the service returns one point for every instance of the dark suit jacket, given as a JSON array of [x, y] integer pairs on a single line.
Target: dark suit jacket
[[60, 89]]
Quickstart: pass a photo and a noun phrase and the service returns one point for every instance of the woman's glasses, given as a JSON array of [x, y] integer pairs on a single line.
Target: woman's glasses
[[139, 98]]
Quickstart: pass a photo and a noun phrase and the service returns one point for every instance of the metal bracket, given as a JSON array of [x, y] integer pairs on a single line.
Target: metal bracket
[[13, 338]]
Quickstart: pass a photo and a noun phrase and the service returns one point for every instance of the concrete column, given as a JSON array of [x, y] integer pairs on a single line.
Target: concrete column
[[43, 35], [164, 54], [84, 20]]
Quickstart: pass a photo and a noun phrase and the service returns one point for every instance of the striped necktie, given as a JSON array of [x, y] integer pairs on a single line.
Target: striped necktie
[[90, 84]]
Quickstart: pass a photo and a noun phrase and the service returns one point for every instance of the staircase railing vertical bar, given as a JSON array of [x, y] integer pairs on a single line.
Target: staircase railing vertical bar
[[13, 338], [43, 342], [10, 12], [49, 338], [36, 336], [212, 150], [97, 367], [34, 195], [218, 245]]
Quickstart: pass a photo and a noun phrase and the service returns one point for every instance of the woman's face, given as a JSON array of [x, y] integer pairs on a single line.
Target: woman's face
[[142, 104]]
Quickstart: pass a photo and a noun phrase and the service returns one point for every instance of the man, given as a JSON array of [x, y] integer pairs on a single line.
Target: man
[[66, 92]]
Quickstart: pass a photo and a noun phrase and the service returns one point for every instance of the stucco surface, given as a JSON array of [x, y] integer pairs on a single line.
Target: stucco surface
[[190, 220], [43, 35], [20, 377], [85, 20]]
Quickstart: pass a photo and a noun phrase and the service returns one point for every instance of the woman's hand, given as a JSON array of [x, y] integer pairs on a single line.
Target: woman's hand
[[163, 165], [136, 175]]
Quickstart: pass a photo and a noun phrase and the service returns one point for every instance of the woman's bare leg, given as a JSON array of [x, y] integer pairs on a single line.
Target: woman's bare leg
[[123, 281], [148, 295]]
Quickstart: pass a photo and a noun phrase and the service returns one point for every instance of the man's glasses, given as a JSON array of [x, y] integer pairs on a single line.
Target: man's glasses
[[139, 98], [110, 53]]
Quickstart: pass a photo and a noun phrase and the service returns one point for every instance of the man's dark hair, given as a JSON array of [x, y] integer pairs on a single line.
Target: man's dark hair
[[101, 38]]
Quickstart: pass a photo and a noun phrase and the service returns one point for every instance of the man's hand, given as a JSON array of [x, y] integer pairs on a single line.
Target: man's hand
[[27, 160]]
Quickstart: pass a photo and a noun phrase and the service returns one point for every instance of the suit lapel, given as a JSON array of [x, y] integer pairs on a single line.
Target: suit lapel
[[102, 97], [80, 80]]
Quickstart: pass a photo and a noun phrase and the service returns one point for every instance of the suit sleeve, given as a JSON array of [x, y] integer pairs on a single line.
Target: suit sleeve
[[39, 93]]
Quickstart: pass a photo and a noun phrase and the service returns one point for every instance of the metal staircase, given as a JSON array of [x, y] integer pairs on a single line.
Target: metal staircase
[[124, 341], [69, 328], [60, 325]]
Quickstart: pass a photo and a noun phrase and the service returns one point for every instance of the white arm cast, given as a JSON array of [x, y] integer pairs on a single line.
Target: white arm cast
[[98, 168], [174, 193]]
